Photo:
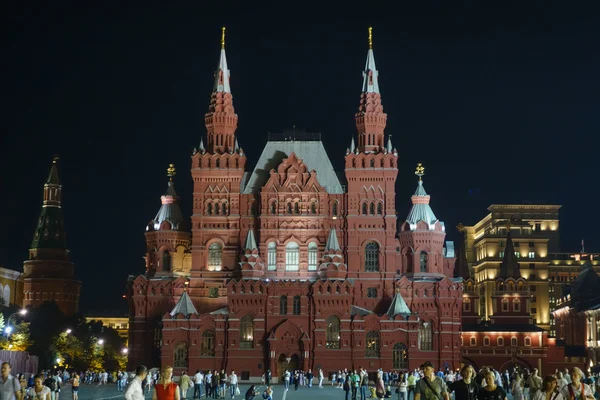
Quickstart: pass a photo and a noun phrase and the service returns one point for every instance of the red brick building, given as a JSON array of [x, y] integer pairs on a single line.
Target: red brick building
[[289, 265], [48, 272]]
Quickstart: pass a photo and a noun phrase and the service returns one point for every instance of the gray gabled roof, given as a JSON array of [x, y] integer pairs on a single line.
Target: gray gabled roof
[[169, 210], [354, 310], [398, 307], [184, 306], [332, 241], [312, 153]]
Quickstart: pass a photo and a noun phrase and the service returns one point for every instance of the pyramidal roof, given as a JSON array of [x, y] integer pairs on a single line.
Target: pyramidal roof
[[370, 74], [222, 74], [398, 307], [169, 210], [587, 282], [251, 241], [53, 175], [184, 306], [421, 210], [332, 241], [510, 265]]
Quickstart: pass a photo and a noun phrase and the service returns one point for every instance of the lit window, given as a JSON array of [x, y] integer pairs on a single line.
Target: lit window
[[272, 256], [292, 256], [425, 337], [400, 357], [333, 332], [215, 253], [372, 344], [467, 305], [312, 256], [517, 254], [180, 358], [532, 254], [247, 332]]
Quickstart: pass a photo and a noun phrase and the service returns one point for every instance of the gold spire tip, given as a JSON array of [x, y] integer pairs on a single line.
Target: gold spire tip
[[370, 38], [420, 171], [171, 171], [55, 159], [223, 37]]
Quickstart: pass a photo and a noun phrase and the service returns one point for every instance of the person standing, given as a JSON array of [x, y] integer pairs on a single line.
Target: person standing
[[184, 384], [135, 389], [198, 381], [75, 386], [466, 388], [233, 384], [577, 390], [431, 387], [38, 391], [11, 388], [321, 378], [549, 390], [286, 379], [165, 388], [491, 390]]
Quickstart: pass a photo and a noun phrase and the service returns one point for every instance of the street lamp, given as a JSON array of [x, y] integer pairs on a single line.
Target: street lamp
[[13, 316], [125, 350], [68, 331], [101, 342], [8, 330]]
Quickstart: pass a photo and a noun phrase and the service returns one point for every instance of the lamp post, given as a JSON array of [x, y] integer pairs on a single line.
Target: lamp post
[[13, 317]]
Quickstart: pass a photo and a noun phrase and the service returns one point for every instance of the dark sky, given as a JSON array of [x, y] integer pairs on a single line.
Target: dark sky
[[501, 104]]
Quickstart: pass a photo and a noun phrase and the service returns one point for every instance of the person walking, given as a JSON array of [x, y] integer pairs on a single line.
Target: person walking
[[320, 378], [165, 388], [466, 388], [491, 391], [577, 390], [431, 387], [11, 388], [184, 383], [75, 386], [38, 391], [135, 389], [549, 390]]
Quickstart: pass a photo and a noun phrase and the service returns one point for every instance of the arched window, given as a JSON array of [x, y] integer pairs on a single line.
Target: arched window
[[217, 209], [218, 163], [372, 208], [313, 208], [334, 209], [296, 305], [272, 256], [296, 208], [400, 357], [372, 344], [333, 332], [425, 337], [379, 209], [372, 257], [423, 261], [283, 305], [514, 341], [486, 341], [292, 256], [180, 356], [166, 261], [516, 305], [500, 341], [274, 208], [6, 295], [364, 209], [247, 332], [466, 305], [215, 255], [527, 341], [289, 208], [207, 346], [224, 208], [473, 341], [504, 303], [312, 256], [209, 209]]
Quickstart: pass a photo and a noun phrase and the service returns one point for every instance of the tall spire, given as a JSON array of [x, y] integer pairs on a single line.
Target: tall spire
[[49, 232], [510, 265], [221, 119], [370, 118]]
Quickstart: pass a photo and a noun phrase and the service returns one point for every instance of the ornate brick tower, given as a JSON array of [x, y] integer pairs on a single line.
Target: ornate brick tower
[[371, 171], [48, 273], [217, 172]]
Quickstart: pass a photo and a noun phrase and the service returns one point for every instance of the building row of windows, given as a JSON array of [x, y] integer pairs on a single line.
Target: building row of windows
[[283, 305], [505, 305], [531, 254], [363, 163], [499, 341], [370, 208], [216, 208], [516, 244]]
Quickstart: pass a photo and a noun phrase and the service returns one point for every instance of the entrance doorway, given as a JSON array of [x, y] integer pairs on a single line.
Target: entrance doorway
[[285, 362]]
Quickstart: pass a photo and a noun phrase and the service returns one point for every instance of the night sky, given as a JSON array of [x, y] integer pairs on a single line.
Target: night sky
[[500, 104]]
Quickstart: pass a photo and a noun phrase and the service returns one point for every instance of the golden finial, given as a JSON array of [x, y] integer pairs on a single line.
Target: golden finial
[[420, 171], [223, 37], [55, 159], [171, 172], [370, 38], [460, 227]]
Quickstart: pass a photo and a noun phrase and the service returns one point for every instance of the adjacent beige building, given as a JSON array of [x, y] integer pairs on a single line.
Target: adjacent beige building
[[119, 324]]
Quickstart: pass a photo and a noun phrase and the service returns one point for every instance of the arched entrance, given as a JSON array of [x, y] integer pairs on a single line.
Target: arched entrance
[[285, 362], [515, 365]]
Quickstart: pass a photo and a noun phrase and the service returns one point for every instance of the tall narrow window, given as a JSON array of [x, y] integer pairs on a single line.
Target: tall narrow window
[[215, 255], [207, 346], [364, 209], [425, 337], [486, 341], [313, 208], [504, 303], [297, 305], [247, 332], [273, 208], [372, 257], [209, 209], [516, 305], [400, 357], [372, 208], [289, 208], [224, 208], [514, 341], [166, 261], [181, 355], [283, 305], [466, 305], [312, 256], [334, 209], [296, 208], [500, 341], [272, 256], [292, 256], [423, 260], [333, 332], [217, 209], [379, 209], [372, 344]]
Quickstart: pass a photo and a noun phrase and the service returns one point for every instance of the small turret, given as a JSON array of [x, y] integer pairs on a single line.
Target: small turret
[[333, 266], [169, 216], [251, 263]]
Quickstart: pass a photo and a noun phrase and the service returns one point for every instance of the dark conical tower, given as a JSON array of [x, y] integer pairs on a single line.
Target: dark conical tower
[[48, 273]]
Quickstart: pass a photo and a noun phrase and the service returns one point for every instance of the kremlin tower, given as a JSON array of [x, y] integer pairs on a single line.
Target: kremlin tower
[[293, 266], [48, 273]]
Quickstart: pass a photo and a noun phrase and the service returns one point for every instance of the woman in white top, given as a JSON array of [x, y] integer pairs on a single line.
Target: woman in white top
[[577, 390], [549, 390], [38, 391]]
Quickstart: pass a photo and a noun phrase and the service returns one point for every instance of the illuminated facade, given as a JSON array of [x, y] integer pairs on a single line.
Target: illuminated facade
[[289, 266], [119, 324]]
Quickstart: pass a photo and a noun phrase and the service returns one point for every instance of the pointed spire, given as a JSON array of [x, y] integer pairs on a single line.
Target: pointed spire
[[332, 241], [169, 210], [461, 269], [222, 74], [201, 148], [370, 81], [421, 210], [236, 147], [251, 241], [184, 306], [352, 146], [398, 306], [510, 265], [53, 175], [389, 144]]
